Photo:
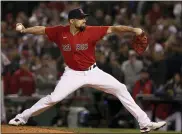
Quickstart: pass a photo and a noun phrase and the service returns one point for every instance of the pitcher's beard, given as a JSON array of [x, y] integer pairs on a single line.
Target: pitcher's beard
[[82, 28]]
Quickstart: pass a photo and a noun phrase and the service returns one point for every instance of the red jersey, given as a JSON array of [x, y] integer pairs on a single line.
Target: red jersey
[[23, 80], [6, 82], [78, 50], [145, 88]]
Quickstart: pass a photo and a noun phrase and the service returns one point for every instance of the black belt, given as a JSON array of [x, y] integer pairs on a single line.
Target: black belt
[[91, 67]]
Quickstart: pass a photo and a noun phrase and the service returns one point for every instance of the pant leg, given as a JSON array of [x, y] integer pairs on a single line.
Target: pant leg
[[69, 82], [105, 82], [149, 113]]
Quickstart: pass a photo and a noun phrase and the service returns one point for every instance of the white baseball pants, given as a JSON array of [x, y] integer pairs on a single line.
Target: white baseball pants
[[96, 78]]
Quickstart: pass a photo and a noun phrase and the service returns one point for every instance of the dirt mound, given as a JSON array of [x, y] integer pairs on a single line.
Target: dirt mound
[[31, 129]]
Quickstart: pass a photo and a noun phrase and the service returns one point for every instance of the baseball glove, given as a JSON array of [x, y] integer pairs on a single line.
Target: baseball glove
[[140, 43]]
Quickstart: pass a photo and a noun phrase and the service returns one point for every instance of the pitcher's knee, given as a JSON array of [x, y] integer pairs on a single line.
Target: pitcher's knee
[[53, 99], [120, 88], [123, 86]]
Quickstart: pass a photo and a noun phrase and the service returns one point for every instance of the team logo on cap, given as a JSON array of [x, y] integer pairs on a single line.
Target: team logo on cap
[[81, 11]]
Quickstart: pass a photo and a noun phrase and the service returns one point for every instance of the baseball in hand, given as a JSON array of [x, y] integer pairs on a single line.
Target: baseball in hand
[[138, 31], [19, 27]]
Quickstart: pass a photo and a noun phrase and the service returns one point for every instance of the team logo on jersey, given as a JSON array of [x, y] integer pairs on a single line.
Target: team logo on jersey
[[81, 47], [66, 47]]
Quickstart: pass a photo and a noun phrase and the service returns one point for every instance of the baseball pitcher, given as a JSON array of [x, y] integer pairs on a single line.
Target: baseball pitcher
[[77, 43]]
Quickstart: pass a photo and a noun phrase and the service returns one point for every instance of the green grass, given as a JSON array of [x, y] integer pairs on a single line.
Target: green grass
[[111, 131]]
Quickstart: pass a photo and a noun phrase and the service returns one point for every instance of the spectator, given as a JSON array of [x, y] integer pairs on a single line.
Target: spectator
[[177, 11], [102, 63], [22, 81], [99, 14], [108, 20], [3, 28], [123, 53], [174, 86], [131, 69], [154, 14], [158, 68], [118, 20], [5, 66], [136, 20], [46, 75], [22, 18], [115, 68], [144, 86], [170, 113], [173, 49]]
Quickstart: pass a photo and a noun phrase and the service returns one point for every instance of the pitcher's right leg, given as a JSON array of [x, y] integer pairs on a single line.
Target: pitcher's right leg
[[107, 83], [69, 82]]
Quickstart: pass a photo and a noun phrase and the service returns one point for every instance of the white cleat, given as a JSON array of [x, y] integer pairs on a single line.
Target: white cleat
[[16, 122], [153, 126]]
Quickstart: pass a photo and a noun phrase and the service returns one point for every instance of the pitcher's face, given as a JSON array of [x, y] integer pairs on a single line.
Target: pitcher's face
[[79, 23]]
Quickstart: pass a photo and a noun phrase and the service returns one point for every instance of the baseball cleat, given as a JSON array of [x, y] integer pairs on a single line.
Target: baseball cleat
[[16, 122], [153, 126]]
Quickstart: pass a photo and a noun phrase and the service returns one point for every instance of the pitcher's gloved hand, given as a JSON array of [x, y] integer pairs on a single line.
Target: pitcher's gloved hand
[[140, 43]]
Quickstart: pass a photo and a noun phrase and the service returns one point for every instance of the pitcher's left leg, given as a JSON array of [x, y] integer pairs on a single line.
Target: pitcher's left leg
[[107, 83]]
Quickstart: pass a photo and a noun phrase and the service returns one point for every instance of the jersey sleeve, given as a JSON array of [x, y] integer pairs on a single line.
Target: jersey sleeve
[[53, 32], [98, 32]]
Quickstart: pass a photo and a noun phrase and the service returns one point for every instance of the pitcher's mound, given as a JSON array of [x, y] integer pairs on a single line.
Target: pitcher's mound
[[30, 129]]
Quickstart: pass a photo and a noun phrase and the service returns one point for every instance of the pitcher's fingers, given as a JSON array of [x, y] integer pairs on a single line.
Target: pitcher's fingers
[[17, 24]]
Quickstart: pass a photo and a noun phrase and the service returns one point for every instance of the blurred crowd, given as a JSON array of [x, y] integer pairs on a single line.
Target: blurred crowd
[[37, 64]]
